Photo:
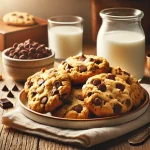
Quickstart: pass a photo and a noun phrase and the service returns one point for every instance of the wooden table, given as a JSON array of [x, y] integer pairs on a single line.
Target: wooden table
[[11, 139]]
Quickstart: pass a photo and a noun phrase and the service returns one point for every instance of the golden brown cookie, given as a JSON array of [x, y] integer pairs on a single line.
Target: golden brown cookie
[[19, 19], [137, 92], [81, 67], [75, 109], [47, 90], [106, 95]]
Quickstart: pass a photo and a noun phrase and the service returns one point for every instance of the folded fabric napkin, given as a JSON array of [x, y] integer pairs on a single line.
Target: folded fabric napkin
[[86, 138]]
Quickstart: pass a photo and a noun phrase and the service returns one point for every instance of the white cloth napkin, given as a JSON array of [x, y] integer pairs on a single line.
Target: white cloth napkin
[[86, 138]]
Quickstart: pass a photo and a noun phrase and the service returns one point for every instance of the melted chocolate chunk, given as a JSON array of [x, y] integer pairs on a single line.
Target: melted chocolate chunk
[[30, 84], [120, 86], [5, 103], [79, 97], [128, 102], [102, 87], [54, 92], [78, 108], [68, 66], [44, 100], [10, 95], [97, 101], [97, 61], [15, 88], [57, 84], [89, 94], [117, 108], [5, 88], [40, 81], [82, 68], [82, 58], [111, 77], [96, 82], [34, 93]]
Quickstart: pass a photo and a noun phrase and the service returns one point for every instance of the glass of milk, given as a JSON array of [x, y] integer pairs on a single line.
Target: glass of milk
[[121, 39], [65, 35]]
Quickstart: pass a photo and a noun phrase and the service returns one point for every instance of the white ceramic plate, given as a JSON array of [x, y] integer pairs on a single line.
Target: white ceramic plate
[[83, 123]]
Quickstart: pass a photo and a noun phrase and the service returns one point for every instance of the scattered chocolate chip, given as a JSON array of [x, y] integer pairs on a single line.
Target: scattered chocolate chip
[[80, 97], [82, 58], [5, 103], [96, 82], [44, 100], [54, 92], [82, 68], [15, 88], [120, 86], [102, 87], [40, 81], [128, 102], [117, 108], [5, 88], [97, 101], [78, 108], [10, 95], [111, 77], [57, 84]]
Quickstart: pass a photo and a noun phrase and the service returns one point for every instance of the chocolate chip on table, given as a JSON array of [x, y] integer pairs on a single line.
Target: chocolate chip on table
[[82, 58], [120, 86], [117, 108], [57, 84], [5, 88], [15, 88], [111, 77], [44, 100], [82, 68], [10, 94], [40, 81], [96, 82], [5, 103], [102, 87], [78, 108], [80, 97], [97, 101]]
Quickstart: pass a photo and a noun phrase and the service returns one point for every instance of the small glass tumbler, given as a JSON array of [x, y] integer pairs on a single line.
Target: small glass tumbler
[[65, 35]]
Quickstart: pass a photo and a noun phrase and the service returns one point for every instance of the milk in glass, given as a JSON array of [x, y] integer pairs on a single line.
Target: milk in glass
[[65, 40], [125, 49]]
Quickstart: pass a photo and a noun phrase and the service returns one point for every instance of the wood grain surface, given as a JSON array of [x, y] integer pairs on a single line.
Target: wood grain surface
[[11, 139]]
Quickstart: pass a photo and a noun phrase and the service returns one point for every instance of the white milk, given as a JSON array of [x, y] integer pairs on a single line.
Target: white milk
[[65, 41], [125, 49]]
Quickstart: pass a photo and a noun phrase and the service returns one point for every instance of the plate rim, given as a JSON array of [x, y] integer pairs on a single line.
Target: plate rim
[[147, 101]]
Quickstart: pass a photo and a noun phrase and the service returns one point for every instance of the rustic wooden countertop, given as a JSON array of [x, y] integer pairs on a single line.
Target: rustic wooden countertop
[[11, 139]]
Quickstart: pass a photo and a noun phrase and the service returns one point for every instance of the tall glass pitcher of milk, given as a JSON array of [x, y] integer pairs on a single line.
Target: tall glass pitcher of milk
[[121, 39]]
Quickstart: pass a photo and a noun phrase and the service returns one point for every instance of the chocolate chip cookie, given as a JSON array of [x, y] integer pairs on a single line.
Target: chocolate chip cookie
[[137, 92], [19, 19], [81, 67], [47, 90], [106, 95], [75, 109]]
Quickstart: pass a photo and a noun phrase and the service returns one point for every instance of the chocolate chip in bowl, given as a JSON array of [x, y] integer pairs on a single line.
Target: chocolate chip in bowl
[[24, 59]]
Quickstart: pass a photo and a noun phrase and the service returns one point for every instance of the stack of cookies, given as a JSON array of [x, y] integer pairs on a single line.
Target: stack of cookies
[[83, 86]]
